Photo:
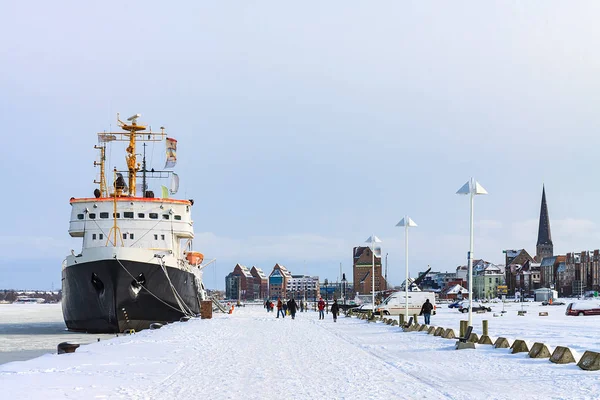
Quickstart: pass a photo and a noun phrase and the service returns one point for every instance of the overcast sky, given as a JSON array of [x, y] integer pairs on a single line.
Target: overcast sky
[[304, 128]]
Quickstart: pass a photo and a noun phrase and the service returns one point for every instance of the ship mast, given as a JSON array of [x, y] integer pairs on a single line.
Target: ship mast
[[132, 165], [134, 132], [102, 181]]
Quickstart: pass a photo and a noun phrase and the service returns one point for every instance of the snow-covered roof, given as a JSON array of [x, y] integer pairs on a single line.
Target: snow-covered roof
[[456, 289]]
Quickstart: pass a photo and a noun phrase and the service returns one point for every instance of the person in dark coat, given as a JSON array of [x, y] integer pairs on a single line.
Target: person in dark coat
[[426, 311], [335, 310], [292, 307], [301, 306]]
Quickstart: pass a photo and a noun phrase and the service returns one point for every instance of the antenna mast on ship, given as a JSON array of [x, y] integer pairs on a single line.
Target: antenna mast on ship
[[134, 132]]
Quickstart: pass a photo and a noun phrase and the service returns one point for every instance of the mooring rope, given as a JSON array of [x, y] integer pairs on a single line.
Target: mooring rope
[[145, 288]]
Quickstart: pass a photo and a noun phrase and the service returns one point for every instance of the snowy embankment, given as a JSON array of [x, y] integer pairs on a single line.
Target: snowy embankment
[[252, 355]]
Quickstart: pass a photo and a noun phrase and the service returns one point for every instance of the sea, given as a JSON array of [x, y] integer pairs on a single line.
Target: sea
[[31, 330]]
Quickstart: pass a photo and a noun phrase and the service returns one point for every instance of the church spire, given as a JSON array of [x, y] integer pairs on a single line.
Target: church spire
[[544, 246]]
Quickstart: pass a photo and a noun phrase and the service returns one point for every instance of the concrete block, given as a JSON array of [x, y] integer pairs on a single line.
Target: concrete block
[[423, 328], [501, 343], [439, 331], [473, 338], [521, 313], [590, 361], [485, 339], [449, 334], [394, 323], [462, 345], [431, 330], [539, 350], [519, 346], [562, 355], [543, 313]]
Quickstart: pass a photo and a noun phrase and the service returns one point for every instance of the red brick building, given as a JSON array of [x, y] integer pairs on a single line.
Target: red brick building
[[363, 269], [260, 280]]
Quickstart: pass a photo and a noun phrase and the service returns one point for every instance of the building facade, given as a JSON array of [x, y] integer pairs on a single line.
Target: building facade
[[486, 282], [278, 282], [240, 284], [362, 268], [262, 282], [303, 287]]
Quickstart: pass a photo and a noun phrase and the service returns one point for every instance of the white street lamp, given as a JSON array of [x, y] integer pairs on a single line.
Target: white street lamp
[[372, 240], [406, 222], [472, 188]]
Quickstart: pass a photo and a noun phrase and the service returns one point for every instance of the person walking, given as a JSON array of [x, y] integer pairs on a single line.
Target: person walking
[[280, 308], [321, 306], [285, 308], [335, 310], [426, 311], [301, 306], [292, 307]]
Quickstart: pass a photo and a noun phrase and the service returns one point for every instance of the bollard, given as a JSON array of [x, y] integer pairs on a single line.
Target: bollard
[[485, 327], [66, 347], [401, 320], [415, 320], [463, 328]]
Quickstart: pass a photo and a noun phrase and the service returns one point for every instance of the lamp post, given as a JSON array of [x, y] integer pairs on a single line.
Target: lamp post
[[372, 240], [471, 188], [344, 287], [326, 296], [406, 222]]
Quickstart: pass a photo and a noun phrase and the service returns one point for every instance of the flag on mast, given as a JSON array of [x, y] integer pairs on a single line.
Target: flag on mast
[[174, 183], [171, 153], [165, 192]]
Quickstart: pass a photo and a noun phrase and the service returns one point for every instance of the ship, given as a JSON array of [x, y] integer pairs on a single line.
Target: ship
[[136, 266]]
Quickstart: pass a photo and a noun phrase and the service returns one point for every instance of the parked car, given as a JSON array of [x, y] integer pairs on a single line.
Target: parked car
[[554, 303], [583, 308], [456, 304], [464, 307]]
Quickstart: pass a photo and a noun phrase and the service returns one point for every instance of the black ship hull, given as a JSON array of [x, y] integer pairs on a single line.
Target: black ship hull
[[105, 296]]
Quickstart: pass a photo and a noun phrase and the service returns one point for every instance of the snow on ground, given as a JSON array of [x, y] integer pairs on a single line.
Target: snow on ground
[[30, 330], [252, 355]]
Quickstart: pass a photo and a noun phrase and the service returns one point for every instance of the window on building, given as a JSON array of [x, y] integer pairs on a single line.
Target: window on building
[[165, 216], [103, 215], [124, 236], [162, 237], [490, 280], [155, 237], [153, 215], [141, 215], [93, 236], [128, 214], [101, 236], [118, 215], [178, 217], [92, 216], [79, 216], [131, 236]]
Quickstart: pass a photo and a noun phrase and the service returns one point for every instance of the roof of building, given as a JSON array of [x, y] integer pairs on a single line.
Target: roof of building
[[456, 289], [544, 235]]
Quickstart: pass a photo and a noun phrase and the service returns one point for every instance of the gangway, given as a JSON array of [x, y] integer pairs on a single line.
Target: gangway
[[218, 305]]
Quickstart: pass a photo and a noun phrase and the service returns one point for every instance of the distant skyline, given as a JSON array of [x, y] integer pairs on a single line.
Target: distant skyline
[[304, 128]]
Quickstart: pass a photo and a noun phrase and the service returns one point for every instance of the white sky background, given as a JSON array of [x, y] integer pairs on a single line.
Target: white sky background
[[303, 129]]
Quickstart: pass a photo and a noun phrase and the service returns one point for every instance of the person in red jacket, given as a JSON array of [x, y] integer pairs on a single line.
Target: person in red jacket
[[280, 308], [321, 305]]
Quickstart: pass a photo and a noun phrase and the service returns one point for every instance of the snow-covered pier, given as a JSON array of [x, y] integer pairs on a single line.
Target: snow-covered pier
[[253, 355]]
